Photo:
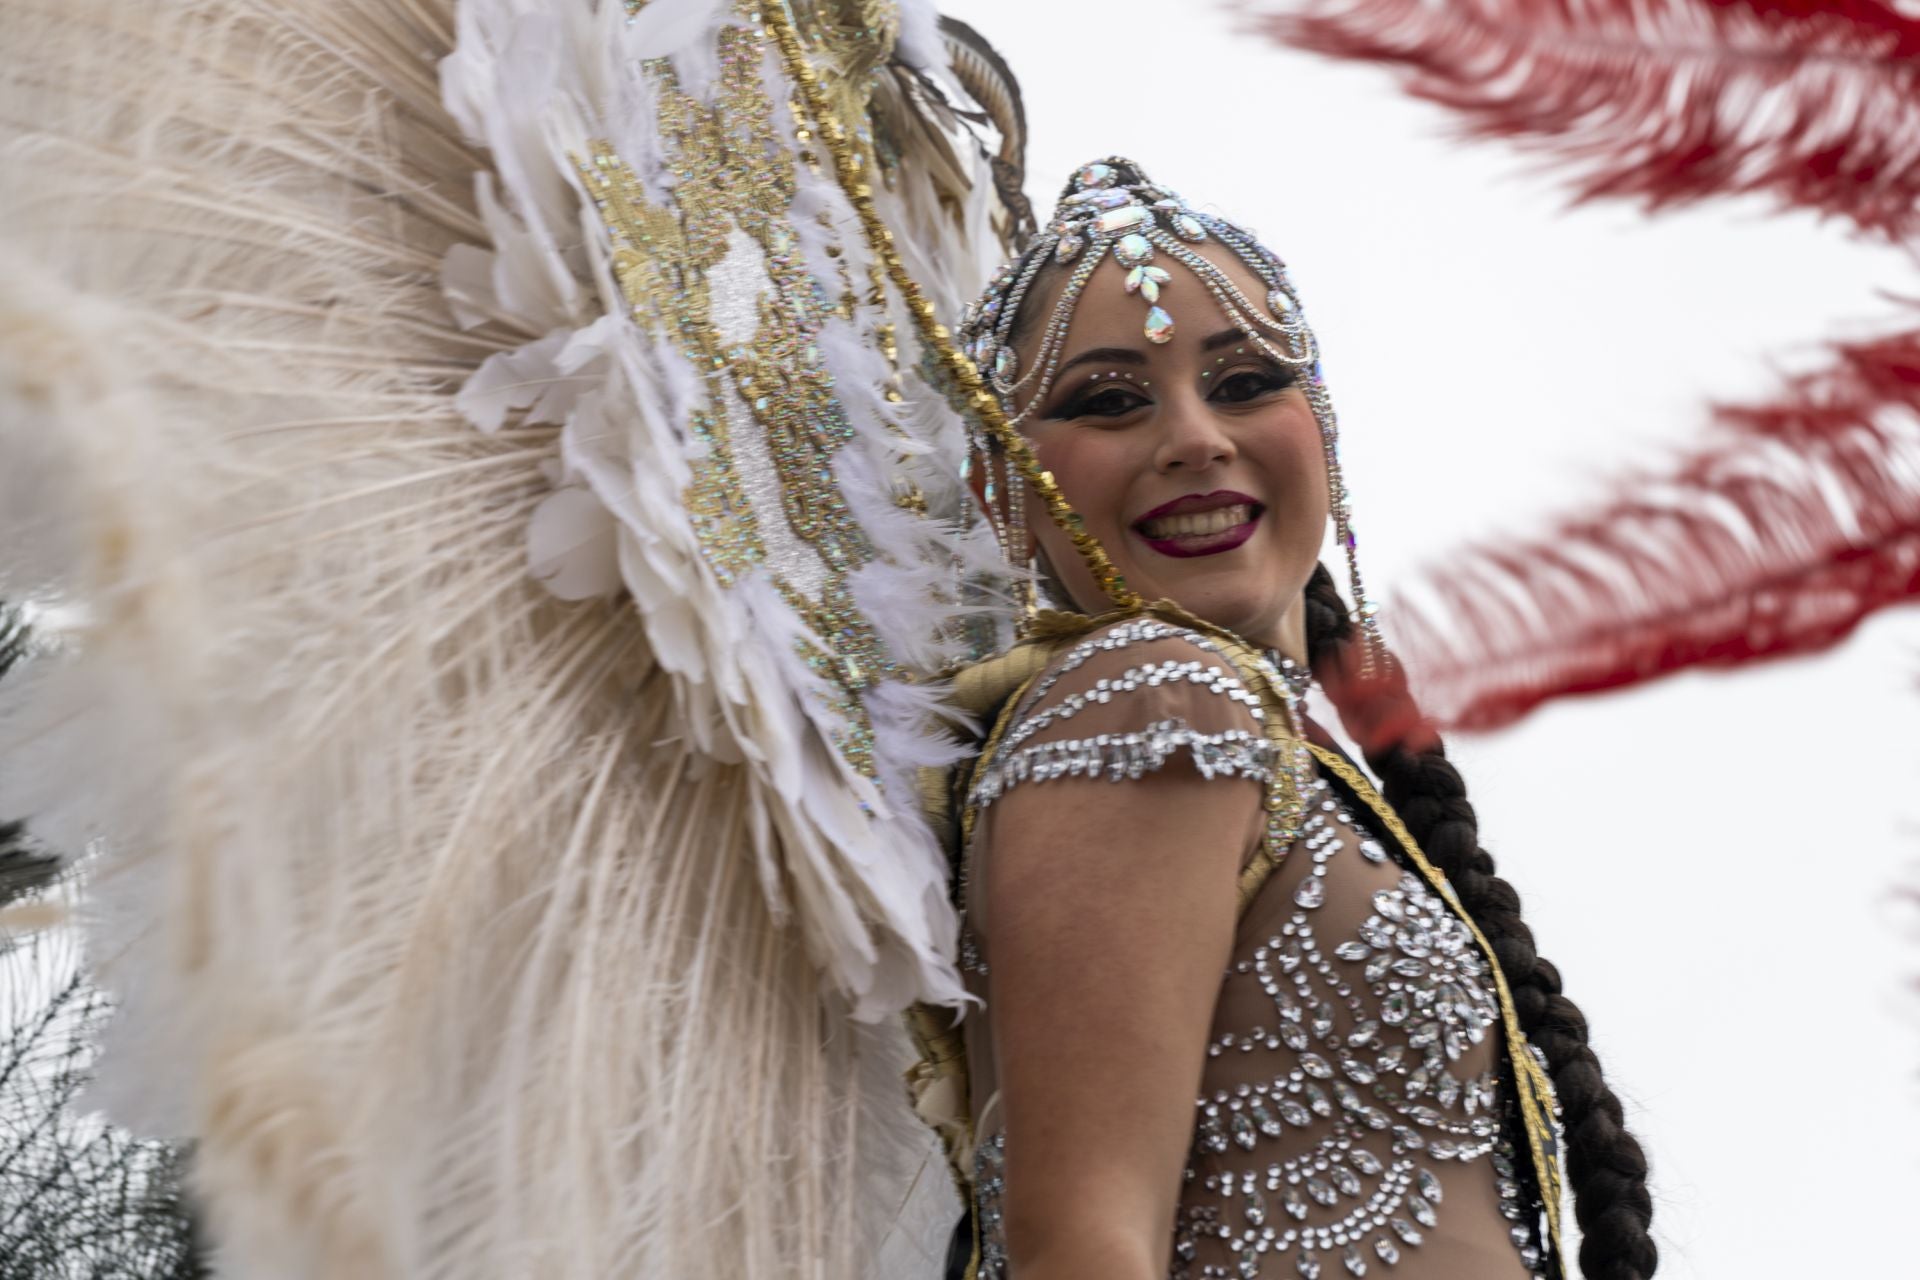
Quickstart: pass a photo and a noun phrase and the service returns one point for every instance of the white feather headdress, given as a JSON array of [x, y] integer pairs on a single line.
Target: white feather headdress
[[511, 526]]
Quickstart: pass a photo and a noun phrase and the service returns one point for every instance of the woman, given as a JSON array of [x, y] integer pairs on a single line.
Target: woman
[[1147, 815]]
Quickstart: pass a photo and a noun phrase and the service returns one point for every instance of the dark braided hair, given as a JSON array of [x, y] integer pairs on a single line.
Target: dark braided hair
[[1605, 1165]]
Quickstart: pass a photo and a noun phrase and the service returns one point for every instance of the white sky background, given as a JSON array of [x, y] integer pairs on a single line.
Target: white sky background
[[1709, 859]]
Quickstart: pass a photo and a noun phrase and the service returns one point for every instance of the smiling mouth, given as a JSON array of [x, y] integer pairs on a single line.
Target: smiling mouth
[[1201, 533]]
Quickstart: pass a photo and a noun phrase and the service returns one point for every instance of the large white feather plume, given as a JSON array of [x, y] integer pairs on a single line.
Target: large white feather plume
[[485, 884]]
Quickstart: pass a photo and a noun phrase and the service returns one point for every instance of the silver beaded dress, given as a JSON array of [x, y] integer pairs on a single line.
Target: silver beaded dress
[[1357, 1115]]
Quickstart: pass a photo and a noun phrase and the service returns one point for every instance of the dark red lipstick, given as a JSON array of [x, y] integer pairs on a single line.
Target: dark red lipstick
[[1179, 529]]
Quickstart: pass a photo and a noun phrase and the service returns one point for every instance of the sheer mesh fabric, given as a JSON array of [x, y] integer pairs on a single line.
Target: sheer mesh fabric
[[1351, 1119]]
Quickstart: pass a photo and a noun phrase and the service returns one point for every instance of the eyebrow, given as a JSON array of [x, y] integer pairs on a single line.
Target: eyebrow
[[1104, 355], [1128, 355]]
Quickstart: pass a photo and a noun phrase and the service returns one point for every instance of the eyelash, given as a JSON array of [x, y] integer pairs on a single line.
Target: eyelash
[[1270, 380]]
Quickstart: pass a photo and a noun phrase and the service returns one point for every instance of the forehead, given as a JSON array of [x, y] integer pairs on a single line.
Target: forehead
[[1107, 315]]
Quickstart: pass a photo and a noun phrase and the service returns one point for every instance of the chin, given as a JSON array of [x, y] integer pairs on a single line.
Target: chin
[[1246, 615]]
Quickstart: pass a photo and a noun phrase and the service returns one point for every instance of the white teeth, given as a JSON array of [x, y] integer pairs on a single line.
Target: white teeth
[[1200, 523]]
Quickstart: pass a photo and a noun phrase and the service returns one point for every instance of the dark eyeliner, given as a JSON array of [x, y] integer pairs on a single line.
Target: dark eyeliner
[[1081, 406], [1273, 379]]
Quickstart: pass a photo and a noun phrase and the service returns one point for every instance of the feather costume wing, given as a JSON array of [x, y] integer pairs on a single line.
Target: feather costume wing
[[509, 521]]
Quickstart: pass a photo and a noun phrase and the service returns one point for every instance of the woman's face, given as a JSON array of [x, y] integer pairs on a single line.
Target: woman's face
[[1196, 462]]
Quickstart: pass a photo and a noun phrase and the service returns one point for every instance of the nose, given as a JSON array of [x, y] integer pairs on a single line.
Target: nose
[[1192, 437]]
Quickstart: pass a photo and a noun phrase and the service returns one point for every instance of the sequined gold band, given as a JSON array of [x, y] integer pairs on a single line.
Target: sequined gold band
[[965, 378]]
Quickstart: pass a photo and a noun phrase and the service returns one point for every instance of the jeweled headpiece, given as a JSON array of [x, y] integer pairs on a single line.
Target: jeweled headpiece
[[1111, 207]]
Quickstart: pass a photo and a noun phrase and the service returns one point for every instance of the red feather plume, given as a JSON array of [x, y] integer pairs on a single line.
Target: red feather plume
[[1666, 101], [1796, 518]]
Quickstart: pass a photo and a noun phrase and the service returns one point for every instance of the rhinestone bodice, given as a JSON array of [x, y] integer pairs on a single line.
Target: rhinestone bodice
[[1352, 1118]]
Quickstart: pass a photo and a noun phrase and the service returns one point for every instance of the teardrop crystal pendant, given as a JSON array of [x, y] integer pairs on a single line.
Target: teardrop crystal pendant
[[1133, 249], [1188, 227], [1068, 248], [1281, 303], [1159, 328]]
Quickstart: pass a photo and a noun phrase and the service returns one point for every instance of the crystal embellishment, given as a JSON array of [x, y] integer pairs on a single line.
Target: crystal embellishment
[[1100, 198], [1095, 175], [1349, 1080], [1146, 282], [1159, 325]]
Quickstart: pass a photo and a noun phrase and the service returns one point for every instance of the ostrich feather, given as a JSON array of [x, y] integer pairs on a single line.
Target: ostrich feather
[[483, 888], [1796, 519], [1663, 101]]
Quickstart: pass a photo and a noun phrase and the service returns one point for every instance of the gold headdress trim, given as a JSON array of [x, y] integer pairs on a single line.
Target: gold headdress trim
[[964, 378]]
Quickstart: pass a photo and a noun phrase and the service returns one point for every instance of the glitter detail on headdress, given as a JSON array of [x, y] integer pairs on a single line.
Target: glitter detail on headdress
[[1112, 208]]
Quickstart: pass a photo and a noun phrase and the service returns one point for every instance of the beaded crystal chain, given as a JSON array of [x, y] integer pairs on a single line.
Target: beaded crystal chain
[[1111, 208]]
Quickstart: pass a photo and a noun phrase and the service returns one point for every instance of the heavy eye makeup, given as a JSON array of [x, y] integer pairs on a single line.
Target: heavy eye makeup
[[1248, 383], [1104, 398], [1110, 397]]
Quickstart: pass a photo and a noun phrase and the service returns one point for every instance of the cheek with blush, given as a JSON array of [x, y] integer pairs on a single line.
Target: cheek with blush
[[1093, 473]]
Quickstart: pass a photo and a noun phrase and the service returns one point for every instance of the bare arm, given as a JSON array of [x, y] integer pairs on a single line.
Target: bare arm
[[1112, 916]]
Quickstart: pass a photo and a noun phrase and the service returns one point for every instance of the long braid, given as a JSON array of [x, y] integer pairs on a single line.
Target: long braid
[[1605, 1165]]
